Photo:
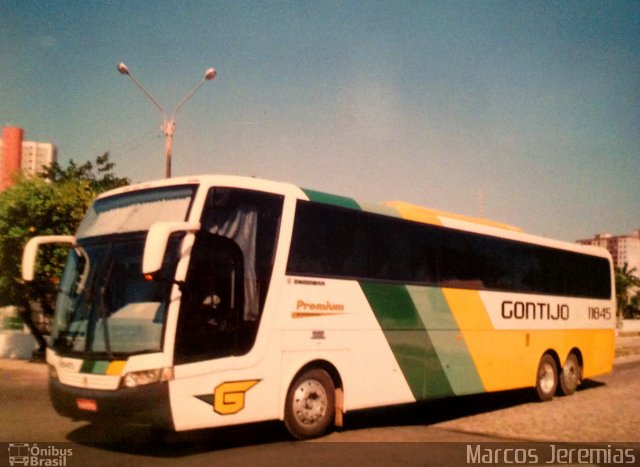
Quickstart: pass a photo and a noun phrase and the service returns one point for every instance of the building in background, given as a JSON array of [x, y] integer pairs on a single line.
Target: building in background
[[10, 155], [37, 156], [16, 154], [623, 248]]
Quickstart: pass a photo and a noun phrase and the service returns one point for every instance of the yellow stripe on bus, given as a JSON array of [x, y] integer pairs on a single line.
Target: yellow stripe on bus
[[115, 368], [468, 309], [508, 359], [477, 331], [416, 213]]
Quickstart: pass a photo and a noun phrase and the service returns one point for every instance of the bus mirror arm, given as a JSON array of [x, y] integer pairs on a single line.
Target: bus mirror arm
[[31, 252], [156, 244], [158, 278]]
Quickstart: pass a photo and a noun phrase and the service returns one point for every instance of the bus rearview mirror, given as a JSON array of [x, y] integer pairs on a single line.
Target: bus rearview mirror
[[157, 240], [31, 252]]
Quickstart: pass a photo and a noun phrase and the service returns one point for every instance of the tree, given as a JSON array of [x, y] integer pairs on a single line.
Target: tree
[[627, 284], [52, 203], [632, 310]]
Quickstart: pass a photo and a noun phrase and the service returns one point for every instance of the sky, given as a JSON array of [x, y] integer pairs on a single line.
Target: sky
[[524, 112]]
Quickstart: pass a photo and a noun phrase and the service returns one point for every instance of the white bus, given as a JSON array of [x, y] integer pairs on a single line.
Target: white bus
[[216, 300]]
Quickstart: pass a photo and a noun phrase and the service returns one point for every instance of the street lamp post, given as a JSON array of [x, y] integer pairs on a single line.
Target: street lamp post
[[169, 122]]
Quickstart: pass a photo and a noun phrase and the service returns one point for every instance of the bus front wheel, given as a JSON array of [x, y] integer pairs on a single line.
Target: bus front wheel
[[547, 378], [571, 375], [310, 404]]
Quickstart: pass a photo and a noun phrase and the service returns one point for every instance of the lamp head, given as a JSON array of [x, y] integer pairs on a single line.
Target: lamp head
[[208, 75], [122, 68]]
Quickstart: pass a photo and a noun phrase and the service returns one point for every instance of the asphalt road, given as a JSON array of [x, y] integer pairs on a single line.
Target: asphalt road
[[604, 410]]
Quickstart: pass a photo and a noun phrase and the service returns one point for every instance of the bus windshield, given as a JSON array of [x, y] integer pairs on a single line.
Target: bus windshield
[[104, 305]]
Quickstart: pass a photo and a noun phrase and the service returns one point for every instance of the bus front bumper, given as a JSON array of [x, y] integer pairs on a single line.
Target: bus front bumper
[[146, 405]]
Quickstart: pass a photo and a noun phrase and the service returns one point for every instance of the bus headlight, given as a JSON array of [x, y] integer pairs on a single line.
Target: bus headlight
[[140, 378]]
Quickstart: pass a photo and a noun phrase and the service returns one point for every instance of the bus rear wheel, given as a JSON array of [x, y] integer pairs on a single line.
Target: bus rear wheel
[[547, 378], [571, 375], [310, 404]]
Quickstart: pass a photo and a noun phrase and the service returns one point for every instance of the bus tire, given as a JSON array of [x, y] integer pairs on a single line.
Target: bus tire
[[546, 378], [571, 375], [310, 405]]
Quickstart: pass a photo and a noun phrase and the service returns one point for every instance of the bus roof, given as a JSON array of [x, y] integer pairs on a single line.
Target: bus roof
[[408, 211]]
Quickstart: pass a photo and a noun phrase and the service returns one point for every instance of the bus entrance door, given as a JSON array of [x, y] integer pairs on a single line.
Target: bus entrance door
[[212, 301]]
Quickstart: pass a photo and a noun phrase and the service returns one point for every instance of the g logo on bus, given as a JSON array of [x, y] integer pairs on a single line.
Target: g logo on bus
[[228, 398]]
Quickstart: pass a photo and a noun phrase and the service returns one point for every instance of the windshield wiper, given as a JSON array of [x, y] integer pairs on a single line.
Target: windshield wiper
[[102, 312], [67, 338], [93, 289]]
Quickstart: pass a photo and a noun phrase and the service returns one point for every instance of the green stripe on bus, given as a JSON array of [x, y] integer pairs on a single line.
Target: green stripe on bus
[[96, 367], [87, 366], [409, 340], [447, 340], [326, 198]]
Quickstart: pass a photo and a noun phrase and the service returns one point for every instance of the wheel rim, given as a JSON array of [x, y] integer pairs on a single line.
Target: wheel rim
[[546, 378], [571, 373], [310, 402]]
